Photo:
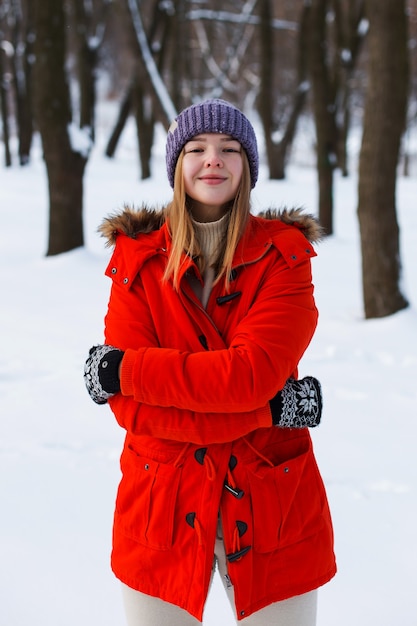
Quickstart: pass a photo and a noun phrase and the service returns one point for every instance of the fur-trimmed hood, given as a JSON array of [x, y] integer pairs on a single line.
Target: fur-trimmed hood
[[144, 220]]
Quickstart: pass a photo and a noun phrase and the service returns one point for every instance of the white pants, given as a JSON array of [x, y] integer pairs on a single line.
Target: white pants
[[144, 610]]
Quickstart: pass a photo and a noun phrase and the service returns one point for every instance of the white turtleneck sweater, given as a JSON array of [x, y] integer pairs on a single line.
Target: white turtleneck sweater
[[210, 236]]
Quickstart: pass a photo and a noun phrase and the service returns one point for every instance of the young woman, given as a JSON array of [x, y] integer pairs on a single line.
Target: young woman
[[210, 312]]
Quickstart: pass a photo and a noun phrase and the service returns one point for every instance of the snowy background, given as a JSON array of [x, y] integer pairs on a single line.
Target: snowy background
[[59, 452]]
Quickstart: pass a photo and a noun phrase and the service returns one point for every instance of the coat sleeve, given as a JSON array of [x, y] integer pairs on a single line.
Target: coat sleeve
[[265, 349], [129, 325]]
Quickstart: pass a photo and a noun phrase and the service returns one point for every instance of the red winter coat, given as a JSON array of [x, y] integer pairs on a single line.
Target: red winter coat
[[194, 402]]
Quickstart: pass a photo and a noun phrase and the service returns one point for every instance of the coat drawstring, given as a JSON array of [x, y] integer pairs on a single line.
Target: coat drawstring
[[193, 521], [258, 453], [236, 540], [179, 459], [230, 480], [203, 458], [238, 552], [199, 531], [210, 468], [230, 484]]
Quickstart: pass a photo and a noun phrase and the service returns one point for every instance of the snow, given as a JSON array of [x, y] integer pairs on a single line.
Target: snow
[[346, 55], [363, 27], [7, 48], [80, 139], [59, 452]]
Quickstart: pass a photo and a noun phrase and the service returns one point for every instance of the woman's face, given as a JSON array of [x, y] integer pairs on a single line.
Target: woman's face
[[212, 169]]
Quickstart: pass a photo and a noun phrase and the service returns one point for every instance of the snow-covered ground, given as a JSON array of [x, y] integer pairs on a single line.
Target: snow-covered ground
[[59, 452]]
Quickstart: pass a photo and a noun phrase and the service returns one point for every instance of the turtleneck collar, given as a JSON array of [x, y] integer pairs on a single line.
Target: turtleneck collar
[[210, 236]]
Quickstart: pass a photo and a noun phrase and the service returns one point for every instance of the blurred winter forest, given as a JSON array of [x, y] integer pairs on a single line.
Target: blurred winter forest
[[333, 66]]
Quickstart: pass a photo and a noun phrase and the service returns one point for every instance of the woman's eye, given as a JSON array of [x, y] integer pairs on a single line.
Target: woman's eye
[[232, 147]]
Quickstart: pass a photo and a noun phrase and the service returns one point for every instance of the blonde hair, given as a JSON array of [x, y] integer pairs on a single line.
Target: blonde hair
[[182, 232]]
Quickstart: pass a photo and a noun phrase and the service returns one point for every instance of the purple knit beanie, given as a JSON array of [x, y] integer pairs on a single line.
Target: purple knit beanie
[[211, 116]]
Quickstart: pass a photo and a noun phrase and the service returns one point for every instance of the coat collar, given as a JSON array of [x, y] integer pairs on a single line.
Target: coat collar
[[134, 222], [292, 232], [143, 233]]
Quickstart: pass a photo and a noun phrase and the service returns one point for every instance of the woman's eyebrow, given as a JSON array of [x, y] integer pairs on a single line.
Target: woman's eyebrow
[[202, 138]]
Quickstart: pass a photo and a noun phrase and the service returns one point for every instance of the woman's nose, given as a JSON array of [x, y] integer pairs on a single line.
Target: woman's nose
[[213, 158]]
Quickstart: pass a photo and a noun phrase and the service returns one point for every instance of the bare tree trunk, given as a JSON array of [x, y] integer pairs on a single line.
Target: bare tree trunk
[[323, 108], [149, 98], [86, 64], [384, 123], [90, 31], [125, 109], [144, 128], [4, 94], [163, 106], [266, 95], [349, 36], [140, 93], [299, 99], [64, 161], [181, 88], [23, 38]]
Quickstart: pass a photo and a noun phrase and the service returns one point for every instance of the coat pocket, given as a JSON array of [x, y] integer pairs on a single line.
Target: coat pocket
[[287, 498], [145, 502]]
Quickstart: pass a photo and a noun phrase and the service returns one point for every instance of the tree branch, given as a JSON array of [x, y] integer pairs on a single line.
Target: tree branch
[[158, 86]]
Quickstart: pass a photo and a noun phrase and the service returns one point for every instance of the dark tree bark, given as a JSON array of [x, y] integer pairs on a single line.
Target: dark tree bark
[[125, 109], [146, 96], [163, 106], [144, 127], [384, 123], [284, 146], [349, 37], [86, 64], [23, 40], [4, 95], [266, 91], [323, 109], [180, 76], [65, 163], [137, 100], [90, 29]]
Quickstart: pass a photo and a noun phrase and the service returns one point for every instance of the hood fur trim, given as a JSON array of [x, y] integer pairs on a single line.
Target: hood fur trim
[[307, 223], [133, 222]]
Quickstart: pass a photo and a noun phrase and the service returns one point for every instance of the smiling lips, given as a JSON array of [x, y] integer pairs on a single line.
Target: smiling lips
[[213, 180]]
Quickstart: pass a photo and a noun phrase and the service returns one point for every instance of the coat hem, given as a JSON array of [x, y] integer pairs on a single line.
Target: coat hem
[[240, 614], [280, 597], [180, 603]]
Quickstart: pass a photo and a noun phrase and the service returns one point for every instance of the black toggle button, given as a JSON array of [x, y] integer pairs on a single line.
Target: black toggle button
[[199, 455], [203, 341], [230, 296], [237, 493], [189, 518], [235, 556], [242, 527]]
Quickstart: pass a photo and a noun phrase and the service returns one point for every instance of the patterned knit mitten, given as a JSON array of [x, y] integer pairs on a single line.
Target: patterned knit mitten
[[298, 405], [101, 375]]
